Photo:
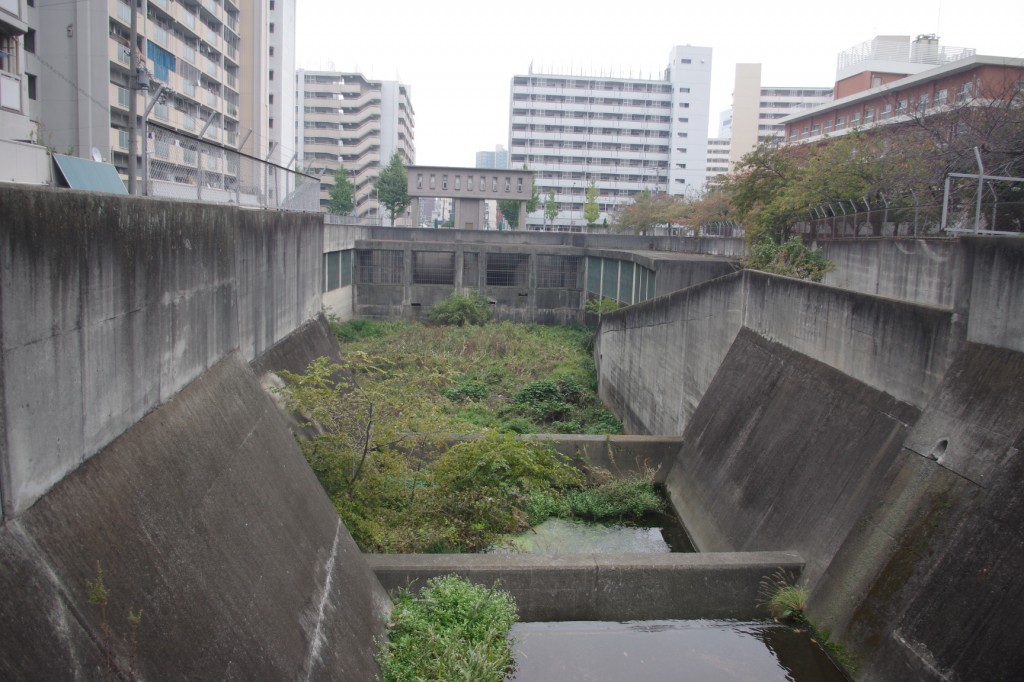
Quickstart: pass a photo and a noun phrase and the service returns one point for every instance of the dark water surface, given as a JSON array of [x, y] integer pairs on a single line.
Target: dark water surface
[[560, 536], [700, 650]]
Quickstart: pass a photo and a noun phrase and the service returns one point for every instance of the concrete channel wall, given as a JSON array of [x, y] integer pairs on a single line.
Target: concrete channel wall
[[137, 439], [110, 306], [880, 440]]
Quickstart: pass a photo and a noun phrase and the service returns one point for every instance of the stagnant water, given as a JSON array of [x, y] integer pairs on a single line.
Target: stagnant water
[[709, 651], [659, 534]]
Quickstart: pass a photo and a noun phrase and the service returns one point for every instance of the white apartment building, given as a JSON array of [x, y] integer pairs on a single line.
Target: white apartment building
[[213, 58], [756, 110], [626, 134], [281, 82], [718, 157], [345, 120]]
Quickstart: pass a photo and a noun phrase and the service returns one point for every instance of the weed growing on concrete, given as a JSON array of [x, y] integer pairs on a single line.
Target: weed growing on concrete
[[453, 630], [611, 500], [99, 595], [786, 601]]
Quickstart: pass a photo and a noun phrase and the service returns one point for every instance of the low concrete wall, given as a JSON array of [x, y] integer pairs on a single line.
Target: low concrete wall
[[730, 247], [621, 455], [922, 271], [610, 587], [206, 518], [110, 305]]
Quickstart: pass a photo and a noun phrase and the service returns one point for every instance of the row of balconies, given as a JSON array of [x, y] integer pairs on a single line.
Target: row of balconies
[[176, 12]]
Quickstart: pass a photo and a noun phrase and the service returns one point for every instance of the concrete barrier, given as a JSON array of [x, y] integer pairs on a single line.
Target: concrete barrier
[[609, 587], [206, 518], [110, 305]]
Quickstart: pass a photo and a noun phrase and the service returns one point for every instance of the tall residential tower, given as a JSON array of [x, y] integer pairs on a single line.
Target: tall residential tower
[[625, 134]]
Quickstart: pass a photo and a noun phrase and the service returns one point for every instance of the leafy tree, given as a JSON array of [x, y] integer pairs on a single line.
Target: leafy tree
[[649, 209], [550, 208], [791, 258], [591, 211], [342, 194], [510, 207], [392, 187]]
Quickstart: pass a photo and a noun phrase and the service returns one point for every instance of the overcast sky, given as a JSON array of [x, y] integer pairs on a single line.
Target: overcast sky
[[459, 56]]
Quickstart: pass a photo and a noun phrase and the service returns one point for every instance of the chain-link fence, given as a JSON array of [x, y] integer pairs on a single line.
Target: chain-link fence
[[185, 167]]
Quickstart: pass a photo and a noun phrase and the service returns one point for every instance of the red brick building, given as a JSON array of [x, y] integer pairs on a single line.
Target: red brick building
[[867, 100]]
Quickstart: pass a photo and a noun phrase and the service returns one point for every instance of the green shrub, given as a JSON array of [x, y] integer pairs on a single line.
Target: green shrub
[[355, 330], [466, 390], [791, 259], [622, 499], [453, 630], [600, 306], [459, 310]]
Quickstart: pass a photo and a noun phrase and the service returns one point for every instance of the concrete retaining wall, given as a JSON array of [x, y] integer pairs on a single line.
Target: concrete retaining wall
[[923, 271], [206, 517], [609, 587], [656, 359], [111, 305]]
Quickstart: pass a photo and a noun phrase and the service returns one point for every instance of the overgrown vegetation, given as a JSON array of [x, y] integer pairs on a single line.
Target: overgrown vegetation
[[611, 500], [786, 601], [461, 379], [453, 630], [602, 305], [791, 258], [99, 596], [459, 309]]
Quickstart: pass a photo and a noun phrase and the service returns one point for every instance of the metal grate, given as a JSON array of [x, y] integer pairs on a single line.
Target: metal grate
[[379, 267], [508, 269], [433, 267], [559, 272]]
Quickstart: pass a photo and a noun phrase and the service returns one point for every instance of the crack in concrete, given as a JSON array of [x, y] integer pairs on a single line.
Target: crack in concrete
[[318, 636]]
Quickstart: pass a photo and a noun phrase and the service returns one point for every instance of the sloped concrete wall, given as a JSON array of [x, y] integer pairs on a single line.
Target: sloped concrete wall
[[206, 517], [783, 452], [110, 305], [929, 584]]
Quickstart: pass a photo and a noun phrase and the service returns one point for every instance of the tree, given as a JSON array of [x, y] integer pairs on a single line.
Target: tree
[[510, 207], [649, 209], [392, 187], [591, 211], [550, 208], [342, 194]]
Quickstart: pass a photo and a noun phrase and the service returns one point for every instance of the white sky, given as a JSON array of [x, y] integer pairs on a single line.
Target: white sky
[[459, 56]]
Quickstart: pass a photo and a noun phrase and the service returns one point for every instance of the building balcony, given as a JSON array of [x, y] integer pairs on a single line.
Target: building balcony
[[118, 140], [119, 54]]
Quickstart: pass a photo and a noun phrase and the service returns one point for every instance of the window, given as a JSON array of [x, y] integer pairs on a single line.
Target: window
[[271, 99], [483, 183], [684, 89], [433, 267], [684, 120], [444, 182], [965, 92], [271, 27], [922, 102], [31, 85], [271, 50], [271, 74], [508, 184], [270, 123], [828, 126], [855, 119], [940, 97], [869, 115], [840, 123], [30, 41], [816, 129], [684, 61], [419, 181], [519, 185], [901, 106], [433, 184], [684, 105], [271, 5], [494, 183], [8, 52], [458, 182], [469, 183], [886, 112]]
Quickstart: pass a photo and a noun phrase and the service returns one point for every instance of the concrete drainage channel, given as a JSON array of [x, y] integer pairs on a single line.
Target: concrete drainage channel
[[606, 590]]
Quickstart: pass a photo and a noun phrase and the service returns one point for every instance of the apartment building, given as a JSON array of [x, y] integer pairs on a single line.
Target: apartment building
[[281, 82], [496, 159], [212, 58], [16, 88], [626, 134], [757, 109], [718, 157], [346, 120]]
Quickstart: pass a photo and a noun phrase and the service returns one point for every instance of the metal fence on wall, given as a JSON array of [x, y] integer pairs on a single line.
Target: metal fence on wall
[[184, 167]]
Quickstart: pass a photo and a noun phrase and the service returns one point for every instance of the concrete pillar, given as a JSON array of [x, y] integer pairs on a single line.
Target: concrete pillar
[[415, 212]]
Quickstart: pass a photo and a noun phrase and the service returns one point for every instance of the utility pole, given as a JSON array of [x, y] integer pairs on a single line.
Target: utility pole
[[133, 106]]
